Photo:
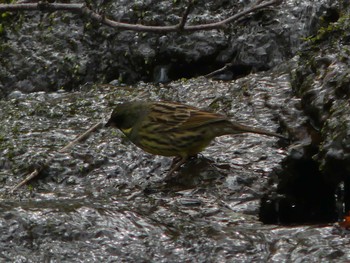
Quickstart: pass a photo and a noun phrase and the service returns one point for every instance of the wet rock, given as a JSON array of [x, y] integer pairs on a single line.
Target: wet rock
[[321, 80], [105, 198], [74, 52]]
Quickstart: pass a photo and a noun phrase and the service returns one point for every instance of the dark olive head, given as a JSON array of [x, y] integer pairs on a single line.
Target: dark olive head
[[125, 115]]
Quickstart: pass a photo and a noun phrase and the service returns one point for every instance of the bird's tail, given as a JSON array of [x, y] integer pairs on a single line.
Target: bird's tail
[[240, 128]]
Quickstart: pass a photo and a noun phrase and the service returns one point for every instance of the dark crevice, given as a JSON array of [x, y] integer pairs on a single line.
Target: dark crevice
[[303, 194]]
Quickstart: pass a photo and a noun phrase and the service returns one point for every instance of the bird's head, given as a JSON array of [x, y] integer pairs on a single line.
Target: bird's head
[[125, 115]]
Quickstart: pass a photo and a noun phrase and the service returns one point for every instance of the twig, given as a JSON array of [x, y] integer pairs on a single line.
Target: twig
[[37, 171], [81, 137], [218, 70], [182, 23], [84, 10]]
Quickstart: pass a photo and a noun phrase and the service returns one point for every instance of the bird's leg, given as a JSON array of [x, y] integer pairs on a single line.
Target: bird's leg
[[177, 162]]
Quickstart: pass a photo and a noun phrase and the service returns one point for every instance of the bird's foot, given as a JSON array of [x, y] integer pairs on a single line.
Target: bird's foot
[[174, 167]]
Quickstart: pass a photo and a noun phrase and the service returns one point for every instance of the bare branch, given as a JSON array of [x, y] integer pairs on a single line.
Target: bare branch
[[182, 23], [211, 74], [37, 171], [81, 137], [84, 10], [35, 7]]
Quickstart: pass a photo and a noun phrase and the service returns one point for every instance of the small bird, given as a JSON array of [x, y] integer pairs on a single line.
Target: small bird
[[174, 129]]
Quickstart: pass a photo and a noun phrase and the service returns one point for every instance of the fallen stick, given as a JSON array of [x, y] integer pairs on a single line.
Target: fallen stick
[[37, 171]]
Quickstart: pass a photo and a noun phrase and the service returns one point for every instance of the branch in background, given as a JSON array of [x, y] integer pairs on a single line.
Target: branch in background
[[37, 171], [182, 23], [220, 70], [84, 10]]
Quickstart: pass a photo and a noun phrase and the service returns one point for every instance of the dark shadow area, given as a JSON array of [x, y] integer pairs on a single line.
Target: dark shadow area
[[303, 195], [199, 171], [170, 69]]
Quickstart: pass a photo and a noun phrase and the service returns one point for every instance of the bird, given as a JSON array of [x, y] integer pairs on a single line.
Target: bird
[[174, 129]]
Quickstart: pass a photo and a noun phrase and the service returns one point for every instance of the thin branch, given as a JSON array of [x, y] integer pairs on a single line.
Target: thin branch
[[81, 137], [35, 7], [209, 75], [182, 23], [37, 171], [246, 12], [84, 10]]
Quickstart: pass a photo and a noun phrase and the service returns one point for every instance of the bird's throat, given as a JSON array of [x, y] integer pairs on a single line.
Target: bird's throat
[[126, 131]]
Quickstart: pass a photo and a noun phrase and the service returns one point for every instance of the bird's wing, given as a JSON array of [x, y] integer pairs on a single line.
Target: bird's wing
[[170, 116], [199, 118]]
